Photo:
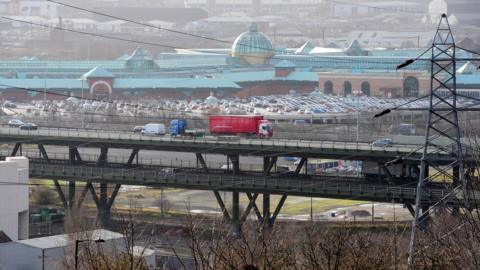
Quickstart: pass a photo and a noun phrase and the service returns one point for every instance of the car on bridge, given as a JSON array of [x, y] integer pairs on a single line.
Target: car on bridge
[[137, 129], [383, 142], [15, 123], [29, 126]]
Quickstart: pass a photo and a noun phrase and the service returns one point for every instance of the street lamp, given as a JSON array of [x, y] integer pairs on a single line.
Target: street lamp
[[82, 78], [357, 95], [77, 242]]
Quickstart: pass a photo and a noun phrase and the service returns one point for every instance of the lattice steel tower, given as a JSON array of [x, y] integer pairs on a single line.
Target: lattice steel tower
[[442, 131]]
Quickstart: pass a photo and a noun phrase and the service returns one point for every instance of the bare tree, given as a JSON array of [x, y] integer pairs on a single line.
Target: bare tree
[[118, 255]]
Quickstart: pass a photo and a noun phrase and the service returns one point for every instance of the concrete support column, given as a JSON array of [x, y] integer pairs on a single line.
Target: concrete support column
[[71, 195], [235, 159], [235, 226], [266, 210], [103, 210]]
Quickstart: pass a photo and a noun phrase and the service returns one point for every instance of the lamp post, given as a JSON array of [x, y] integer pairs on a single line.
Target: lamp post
[[83, 108], [77, 243], [357, 96]]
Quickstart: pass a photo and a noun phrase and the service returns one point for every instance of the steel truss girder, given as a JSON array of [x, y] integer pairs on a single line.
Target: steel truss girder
[[68, 202], [16, 148], [43, 152], [201, 161], [268, 164], [133, 155], [74, 156], [103, 202], [235, 159], [236, 221], [103, 158], [300, 165]]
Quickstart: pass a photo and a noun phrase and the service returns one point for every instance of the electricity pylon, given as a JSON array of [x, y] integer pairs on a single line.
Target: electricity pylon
[[442, 132]]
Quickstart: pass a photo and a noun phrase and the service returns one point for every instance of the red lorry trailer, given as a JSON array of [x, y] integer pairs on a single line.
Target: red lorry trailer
[[241, 125]]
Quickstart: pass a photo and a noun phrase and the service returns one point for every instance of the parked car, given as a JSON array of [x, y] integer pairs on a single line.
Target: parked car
[[383, 142], [15, 123], [137, 129], [29, 126], [9, 104]]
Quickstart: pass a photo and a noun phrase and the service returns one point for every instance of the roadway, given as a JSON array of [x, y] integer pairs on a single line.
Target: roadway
[[210, 145], [321, 186]]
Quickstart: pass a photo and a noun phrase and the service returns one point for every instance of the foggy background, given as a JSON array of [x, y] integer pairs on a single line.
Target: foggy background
[[288, 23]]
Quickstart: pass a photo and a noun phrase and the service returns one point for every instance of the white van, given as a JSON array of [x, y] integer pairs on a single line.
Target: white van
[[153, 129]]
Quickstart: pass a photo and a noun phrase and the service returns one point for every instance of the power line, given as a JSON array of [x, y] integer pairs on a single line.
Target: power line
[[142, 23], [172, 30]]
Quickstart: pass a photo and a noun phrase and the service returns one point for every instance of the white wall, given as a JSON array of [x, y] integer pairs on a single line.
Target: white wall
[[15, 256], [14, 197]]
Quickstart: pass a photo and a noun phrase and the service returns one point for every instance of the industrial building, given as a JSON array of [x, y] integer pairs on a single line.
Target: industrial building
[[54, 252], [252, 66], [14, 194]]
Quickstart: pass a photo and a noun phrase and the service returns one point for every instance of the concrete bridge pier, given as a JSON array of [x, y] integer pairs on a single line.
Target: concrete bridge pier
[[235, 223]]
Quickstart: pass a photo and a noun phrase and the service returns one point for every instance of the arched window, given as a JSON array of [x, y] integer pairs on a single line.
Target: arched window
[[347, 88], [328, 88], [365, 88], [411, 87]]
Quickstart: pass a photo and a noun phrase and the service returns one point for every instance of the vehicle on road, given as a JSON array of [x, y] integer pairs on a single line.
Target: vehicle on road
[[137, 129], [383, 142], [153, 129], [15, 123], [29, 126], [179, 127], [248, 126], [169, 170]]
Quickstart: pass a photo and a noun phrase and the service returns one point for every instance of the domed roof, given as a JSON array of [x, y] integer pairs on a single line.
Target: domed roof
[[211, 100], [252, 42], [140, 60]]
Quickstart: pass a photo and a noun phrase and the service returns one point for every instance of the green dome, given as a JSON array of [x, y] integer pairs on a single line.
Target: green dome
[[253, 43]]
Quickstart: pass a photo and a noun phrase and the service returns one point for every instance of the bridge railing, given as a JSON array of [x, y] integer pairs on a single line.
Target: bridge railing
[[128, 136], [293, 186]]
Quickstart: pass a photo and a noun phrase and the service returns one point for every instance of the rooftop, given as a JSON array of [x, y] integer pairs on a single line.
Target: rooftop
[[63, 240], [98, 72]]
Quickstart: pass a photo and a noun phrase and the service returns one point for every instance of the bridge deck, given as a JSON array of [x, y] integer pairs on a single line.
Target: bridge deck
[[326, 187], [240, 146]]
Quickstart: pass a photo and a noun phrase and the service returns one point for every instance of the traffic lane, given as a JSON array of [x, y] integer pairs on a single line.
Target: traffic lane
[[214, 141]]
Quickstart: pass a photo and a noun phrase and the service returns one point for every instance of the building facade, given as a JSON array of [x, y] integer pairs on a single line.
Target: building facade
[[251, 66], [14, 216], [392, 85]]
